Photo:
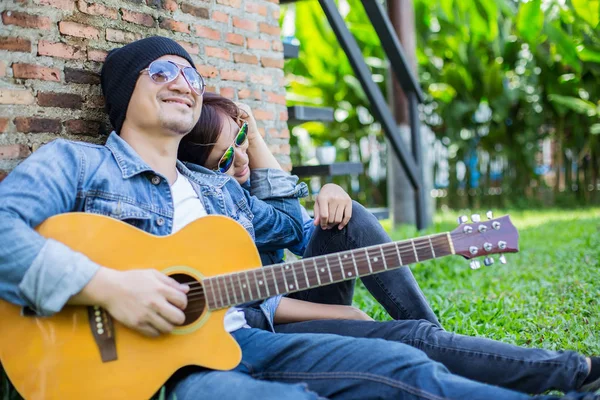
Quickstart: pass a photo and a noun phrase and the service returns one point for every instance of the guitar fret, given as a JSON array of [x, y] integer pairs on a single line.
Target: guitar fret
[[257, 286], [266, 283], [275, 281], [208, 287], [241, 290], [317, 271], [248, 285], [219, 289], [344, 273], [369, 261], [233, 289], [355, 267], [307, 282], [226, 291], [398, 251], [415, 250], [284, 279], [328, 269], [383, 257], [295, 279], [431, 245]]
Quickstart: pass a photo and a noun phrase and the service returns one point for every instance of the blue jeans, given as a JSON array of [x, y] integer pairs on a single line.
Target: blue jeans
[[483, 360], [315, 366]]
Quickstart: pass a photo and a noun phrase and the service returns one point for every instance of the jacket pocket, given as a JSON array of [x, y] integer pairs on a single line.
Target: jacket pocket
[[118, 209]]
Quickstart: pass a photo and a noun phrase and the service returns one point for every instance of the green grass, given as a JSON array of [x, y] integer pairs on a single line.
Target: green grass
[[546, 296]]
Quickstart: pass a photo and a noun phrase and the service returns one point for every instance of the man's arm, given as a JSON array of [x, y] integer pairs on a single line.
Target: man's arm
[[293, 310], [44, 274]]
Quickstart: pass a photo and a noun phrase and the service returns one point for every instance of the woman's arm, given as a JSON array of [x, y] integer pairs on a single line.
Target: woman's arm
[[292, 310], [258, 152]]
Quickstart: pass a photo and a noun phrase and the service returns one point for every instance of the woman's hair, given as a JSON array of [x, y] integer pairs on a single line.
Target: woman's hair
[[195, 147]]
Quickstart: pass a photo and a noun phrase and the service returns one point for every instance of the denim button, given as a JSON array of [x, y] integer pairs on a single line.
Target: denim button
[[155, 180], [160, 221]]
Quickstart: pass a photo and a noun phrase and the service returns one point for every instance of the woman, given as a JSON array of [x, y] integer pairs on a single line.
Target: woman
[[226, 140]]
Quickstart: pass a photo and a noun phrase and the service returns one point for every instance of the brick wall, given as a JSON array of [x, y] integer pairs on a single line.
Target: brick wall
[[51, 52]]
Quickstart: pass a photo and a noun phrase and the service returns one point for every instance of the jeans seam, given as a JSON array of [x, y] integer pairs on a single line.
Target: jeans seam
[[392, 298], [420, 341], [350, 375]]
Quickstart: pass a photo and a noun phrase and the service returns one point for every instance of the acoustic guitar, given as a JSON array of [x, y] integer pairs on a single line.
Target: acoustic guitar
[[82, 353]]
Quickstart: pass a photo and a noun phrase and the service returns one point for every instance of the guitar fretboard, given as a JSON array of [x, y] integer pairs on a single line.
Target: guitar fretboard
[[237, 288]]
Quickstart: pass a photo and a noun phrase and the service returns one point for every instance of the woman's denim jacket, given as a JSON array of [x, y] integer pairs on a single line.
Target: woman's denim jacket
[[65, 176]]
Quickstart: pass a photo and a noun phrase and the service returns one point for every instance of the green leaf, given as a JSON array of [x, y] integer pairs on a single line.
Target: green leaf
[[586, 54], [588, 10], [442, 92], [530, 20], [575, 104], [595, 129], [564, 45]]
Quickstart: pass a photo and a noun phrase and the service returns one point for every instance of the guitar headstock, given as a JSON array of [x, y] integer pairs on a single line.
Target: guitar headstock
[[485, 238]]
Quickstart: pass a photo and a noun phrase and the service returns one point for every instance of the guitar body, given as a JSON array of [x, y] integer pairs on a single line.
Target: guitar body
[[58, 358]]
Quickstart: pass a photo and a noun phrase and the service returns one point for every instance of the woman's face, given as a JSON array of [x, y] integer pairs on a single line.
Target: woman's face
[[240, 169]]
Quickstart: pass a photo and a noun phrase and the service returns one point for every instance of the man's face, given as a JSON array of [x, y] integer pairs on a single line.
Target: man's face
[[171, 107]]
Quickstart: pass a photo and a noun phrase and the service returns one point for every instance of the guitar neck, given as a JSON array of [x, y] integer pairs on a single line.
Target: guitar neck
[[227, 290]]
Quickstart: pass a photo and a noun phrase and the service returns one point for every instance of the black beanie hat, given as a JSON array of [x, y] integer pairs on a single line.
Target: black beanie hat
[[122, 67]]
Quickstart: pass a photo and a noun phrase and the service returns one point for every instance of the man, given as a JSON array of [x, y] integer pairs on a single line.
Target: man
[[153, 98]]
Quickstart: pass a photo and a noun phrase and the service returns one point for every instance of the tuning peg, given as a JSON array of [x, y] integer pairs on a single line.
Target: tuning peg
[[488, 261], [475, 218], [474, 264], [502, 259], [489, 214], [463, 219]]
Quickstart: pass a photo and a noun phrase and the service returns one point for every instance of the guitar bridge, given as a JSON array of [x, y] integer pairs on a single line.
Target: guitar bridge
[[102, 328]]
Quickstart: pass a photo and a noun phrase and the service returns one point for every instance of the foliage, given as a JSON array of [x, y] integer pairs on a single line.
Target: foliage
[[499, 77]]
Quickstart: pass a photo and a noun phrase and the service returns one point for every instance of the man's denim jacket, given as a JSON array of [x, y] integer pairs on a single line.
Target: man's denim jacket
[[112, 180]]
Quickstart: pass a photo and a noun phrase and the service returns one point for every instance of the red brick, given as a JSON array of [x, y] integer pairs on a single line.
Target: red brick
[[170, 5], [274, 1], [275, 98], [245, 58], [276, 14], [61, 100], [2, 68], [280, 148], [60, 50], [234, 38], [228, 92], [97, 55], [82, 76], [97, 9], [231, 75], [262, 115], [95, 102], [9, 96], [230, 3], [256, 8], [138, 18], [246, 93], [207, 71], [30, 71], [217, 52], [15, 44], [263, 79], [245, 24], [62, 4], [3, 175], [190, 47], [269, 62], [14, 151], [208, 33], [26, 20], [211, 89], [114, 35], [37, 125], [258, 44], [172, 25], [270, 29], [199, 12], [283, 116], [220, 16], [279, 134], [3, 124], [82, 127], [78, 30], [277, 45]]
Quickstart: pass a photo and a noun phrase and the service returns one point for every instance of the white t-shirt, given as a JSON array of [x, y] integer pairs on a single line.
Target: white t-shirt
[[187, 207]]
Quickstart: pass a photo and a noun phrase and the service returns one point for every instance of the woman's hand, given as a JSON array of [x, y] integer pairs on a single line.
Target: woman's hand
[[246, 115], [333, 206], [294, 310]]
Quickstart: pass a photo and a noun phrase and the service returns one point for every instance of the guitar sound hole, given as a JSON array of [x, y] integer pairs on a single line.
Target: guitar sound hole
[[196, 301]]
